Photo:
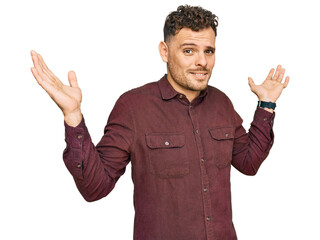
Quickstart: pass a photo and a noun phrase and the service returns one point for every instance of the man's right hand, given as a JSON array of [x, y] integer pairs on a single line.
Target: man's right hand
[[68, 98]]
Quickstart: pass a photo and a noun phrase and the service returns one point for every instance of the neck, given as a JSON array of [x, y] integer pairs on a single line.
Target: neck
[[190, 94]]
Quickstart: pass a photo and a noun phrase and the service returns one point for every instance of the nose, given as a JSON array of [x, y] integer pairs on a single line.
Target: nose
[[201, 60]]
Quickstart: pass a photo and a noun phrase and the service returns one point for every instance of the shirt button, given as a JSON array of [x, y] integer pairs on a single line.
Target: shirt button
[[208, 219], [190, 106], [166, 143], [79, 136], [265, 119], [227, 135], [78, 165], [202, 160], [197, 131], [205, 189], [180, 96]]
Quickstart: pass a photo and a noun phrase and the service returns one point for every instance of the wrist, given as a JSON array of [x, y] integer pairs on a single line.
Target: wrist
[[73, 119], [268, 106]]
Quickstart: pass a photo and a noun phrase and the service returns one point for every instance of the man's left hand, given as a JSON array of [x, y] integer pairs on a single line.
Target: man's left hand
[[271, 89]]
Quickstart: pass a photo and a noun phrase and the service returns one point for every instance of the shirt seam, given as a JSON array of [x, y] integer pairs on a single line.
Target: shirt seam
[[132, 145]]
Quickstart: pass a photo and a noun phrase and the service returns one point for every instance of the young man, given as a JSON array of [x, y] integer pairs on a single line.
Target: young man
[[181, 136]]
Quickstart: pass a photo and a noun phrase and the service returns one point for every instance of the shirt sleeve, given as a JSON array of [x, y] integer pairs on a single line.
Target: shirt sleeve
[[252, 148], [96, 169]]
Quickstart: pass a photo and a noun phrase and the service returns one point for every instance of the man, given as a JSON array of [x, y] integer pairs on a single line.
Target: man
[[181, 136]]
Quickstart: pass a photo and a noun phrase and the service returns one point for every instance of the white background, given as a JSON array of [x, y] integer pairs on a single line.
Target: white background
[[113, 47]]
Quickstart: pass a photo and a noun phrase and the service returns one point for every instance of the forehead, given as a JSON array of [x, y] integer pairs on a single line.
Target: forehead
[[203, 37]]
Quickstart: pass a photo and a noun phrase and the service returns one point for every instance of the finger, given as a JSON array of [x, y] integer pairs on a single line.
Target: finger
[[286, 82], [277, 72], [36, 75], [50, 76], [279, 79], [45, 67], [72, 79], [39, 65], [44, 84], [35, 61], [269, 77]]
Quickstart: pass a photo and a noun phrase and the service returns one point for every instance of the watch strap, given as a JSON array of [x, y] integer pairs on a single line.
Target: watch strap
[[263, 104]]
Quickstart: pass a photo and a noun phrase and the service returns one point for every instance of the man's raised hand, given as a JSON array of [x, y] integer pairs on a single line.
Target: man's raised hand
[[271, 89], [68, 98]]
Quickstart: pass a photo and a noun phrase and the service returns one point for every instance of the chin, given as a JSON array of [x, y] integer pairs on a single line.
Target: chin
[[198, 85]]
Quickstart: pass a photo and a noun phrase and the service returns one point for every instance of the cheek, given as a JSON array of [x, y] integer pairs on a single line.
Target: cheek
[[211, 62], [186, 63], [181, 62]]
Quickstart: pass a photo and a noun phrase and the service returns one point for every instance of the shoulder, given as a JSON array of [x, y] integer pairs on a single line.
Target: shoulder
[[141, 93], [139, 96], [217, 95]]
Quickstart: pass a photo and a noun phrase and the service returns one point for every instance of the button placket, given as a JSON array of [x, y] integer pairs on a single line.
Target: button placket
[[206, 201]]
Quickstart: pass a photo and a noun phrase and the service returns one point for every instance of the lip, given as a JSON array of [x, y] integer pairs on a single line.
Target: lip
[[203, 73], [199, 75]]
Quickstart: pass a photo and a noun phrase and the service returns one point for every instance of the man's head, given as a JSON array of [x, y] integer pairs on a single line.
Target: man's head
[[188, 48]]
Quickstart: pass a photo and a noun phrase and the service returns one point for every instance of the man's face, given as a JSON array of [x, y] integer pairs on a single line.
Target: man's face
[[190, 59]]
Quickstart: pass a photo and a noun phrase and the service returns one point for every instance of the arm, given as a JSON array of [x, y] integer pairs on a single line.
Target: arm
[[94, 169], [250, 149]]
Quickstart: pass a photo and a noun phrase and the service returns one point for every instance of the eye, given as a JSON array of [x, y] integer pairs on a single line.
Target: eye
[[210, 52], [188, 51]]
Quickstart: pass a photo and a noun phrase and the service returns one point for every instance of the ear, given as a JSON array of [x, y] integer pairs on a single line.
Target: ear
[[163, 50]]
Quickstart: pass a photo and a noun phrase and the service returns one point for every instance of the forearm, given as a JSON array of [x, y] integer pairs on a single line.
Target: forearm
[[84, 163], [252, 148]]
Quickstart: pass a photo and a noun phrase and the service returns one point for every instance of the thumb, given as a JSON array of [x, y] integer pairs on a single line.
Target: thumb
[[72, 79], [251, 83]]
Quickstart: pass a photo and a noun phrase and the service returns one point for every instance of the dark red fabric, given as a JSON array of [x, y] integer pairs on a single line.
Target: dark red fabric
[[181, 154]]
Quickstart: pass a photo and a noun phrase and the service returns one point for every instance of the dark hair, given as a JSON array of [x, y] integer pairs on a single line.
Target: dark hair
[[195, 18]]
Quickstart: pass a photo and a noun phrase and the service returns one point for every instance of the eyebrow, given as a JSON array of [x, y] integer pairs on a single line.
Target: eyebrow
[[194, 45]]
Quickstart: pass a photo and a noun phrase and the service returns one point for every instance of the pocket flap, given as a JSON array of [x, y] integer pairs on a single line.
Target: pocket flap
[[222, 133], [165, 140]]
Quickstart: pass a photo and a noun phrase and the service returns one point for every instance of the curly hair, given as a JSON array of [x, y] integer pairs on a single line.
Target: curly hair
[[195, 18]]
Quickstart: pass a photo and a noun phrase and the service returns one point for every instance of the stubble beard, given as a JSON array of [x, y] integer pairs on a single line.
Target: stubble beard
[[183, 81]]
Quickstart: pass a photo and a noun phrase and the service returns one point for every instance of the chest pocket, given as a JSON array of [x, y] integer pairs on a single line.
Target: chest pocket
[[222, 145], [167, 155]]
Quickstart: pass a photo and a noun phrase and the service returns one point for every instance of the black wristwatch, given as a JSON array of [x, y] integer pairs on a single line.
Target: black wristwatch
[[263, 104]]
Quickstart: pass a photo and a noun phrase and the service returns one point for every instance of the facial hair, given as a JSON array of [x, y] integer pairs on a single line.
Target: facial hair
[[183, 81]]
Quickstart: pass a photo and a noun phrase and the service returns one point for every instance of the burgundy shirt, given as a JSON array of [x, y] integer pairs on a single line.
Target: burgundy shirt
[[181, 154]]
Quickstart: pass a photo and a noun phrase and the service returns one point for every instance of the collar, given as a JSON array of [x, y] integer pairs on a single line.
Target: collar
[[168, 92]]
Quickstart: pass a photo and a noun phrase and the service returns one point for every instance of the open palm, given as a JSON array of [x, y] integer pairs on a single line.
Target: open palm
[[271, 89], [68, 98]]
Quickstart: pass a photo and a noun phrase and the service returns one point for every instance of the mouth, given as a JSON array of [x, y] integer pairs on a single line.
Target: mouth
[[199, 75]]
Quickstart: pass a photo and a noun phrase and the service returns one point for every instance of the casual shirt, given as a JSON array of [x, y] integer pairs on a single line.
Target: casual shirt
[[181, 154]]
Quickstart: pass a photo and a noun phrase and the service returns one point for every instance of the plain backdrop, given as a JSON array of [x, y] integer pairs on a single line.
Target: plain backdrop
[[113, 47]]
